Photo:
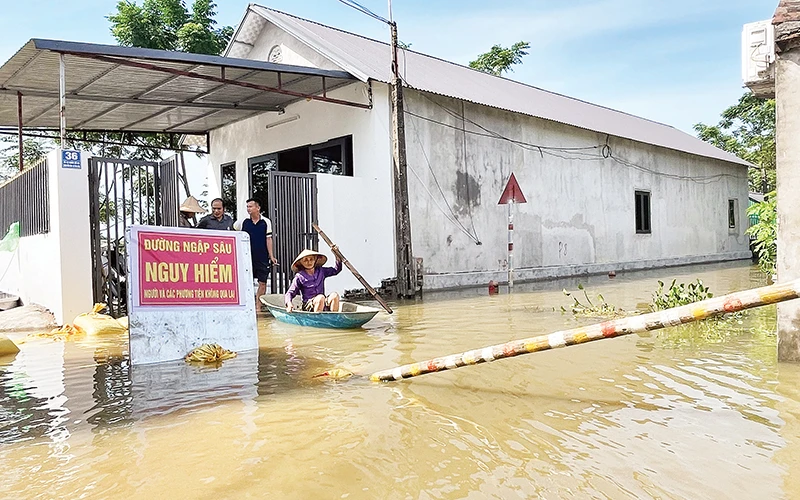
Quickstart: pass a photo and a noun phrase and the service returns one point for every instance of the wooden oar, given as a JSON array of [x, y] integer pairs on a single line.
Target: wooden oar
[[352, 269], [615, 328]]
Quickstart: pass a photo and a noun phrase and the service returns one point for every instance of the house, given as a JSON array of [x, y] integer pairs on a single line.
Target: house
[[606, 190]]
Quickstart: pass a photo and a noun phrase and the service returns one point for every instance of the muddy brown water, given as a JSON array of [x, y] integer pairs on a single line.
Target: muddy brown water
[[688, 412]]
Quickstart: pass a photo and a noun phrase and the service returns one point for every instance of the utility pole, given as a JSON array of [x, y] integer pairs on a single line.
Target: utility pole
[[404, 256], [406, 270]]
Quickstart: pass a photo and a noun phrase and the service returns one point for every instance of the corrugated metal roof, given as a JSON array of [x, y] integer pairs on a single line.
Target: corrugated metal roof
[[144, 90], [370, 59]]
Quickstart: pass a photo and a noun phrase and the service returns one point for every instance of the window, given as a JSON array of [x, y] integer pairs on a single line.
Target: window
[[642, 212], [333, 157], [732, 212], [227, 175]]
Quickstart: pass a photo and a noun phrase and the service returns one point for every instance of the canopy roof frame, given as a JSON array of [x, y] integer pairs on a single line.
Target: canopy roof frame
[[172, 105]]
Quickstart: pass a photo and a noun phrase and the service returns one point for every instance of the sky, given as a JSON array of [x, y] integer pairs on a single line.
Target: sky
[[677, 62]]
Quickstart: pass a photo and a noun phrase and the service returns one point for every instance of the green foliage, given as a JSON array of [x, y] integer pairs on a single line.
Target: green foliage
[[679, 294], [33, 151], [500, 59], [747, 130], [168, 25], [601, 309], [765, 233]]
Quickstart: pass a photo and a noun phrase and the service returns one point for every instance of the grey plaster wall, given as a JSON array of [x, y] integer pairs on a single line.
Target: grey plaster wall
[[580, 212]]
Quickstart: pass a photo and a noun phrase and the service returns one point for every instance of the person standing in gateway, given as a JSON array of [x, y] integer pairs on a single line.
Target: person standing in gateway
[[260, 230], [218, 219]]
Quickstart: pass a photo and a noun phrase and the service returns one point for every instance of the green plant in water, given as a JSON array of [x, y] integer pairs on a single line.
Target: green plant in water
[[714, 329], [601, 308], [765, 232], [679, 294]]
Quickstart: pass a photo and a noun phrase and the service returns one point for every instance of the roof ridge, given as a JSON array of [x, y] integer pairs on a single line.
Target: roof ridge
[[467, 67]]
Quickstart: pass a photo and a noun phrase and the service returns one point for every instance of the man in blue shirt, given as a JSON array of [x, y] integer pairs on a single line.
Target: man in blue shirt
[[260, 230]]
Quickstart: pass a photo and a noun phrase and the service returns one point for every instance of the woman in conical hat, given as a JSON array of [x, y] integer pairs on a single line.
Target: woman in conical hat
[[310, 282], [188, 208]]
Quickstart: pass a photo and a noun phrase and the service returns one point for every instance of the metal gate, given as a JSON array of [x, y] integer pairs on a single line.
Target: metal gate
[[121, 193], [292, 207]]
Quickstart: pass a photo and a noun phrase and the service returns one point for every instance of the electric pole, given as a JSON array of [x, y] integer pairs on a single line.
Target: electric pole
[[406, 268]]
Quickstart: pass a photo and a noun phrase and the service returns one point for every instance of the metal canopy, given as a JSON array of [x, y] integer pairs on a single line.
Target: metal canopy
[[113, 88]]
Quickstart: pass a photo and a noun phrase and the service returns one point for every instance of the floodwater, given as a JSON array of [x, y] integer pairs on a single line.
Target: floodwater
[[687, 412]]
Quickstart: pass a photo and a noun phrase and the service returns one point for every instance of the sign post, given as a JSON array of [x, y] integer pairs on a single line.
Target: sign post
[[511, 194], [188, 287]]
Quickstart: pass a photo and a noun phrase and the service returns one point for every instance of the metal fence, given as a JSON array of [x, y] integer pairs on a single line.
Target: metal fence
[[26, 198], [122, 193], [292, 207]]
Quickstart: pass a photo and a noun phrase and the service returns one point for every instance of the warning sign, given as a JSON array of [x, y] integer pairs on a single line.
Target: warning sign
[[512, 193]]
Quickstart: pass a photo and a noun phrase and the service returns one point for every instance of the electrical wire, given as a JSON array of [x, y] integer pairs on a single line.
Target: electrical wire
[[598, 152], [357, 6], [452, 217]]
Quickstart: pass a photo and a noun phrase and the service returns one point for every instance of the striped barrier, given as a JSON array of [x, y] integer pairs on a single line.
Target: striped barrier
[[615, 328]]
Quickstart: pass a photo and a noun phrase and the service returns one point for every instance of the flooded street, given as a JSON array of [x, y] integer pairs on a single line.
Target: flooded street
[[687, 412]]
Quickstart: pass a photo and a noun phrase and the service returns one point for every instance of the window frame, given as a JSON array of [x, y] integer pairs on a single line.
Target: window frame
[[643, 213], [230, 210], [347, 154], [733, 214]]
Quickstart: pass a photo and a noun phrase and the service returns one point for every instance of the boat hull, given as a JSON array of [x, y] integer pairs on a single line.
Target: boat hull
[[352, 315]]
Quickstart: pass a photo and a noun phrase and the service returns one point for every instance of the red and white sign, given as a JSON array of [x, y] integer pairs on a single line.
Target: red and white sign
[[512, 193], [187, 269]]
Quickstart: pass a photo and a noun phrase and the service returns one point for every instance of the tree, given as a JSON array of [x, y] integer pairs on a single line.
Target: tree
[[747, 129], [32, 151], [500, 59], [168, 25]]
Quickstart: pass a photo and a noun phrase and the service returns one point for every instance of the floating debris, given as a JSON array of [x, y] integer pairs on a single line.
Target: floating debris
[[209, 353], [335, 374]]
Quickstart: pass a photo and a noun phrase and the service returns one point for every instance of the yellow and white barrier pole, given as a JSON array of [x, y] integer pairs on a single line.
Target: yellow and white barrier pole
[[615, 328]]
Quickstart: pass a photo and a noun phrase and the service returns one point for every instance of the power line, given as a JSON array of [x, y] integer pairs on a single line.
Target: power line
[[357, 6], [586, 153], [453, 218]]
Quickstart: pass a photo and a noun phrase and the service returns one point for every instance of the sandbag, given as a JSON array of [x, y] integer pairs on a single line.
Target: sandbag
[[7, 347], [94, 323], [123, 321]]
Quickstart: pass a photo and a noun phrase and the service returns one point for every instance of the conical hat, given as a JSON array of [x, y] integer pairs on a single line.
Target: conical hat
[[321, 259], [190, 205]]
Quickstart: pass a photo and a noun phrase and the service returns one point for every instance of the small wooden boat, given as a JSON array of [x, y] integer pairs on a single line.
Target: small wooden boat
[[351, 315]]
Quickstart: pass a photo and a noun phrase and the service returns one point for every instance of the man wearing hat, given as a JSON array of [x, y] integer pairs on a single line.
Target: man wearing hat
[[188, 209]]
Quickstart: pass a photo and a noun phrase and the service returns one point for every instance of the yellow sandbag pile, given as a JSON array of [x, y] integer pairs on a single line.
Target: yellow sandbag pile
[[7, 346], [94, 323]]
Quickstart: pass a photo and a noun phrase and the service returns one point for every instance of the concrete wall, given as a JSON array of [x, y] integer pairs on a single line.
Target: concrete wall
[[54, 270], [356, 212], [787, 101], [580, 212]]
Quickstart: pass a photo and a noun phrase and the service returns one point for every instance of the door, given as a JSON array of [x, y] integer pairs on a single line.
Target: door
[[292, 208]]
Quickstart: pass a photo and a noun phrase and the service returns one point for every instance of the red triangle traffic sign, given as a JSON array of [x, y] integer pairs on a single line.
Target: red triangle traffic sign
[[512, 193]]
